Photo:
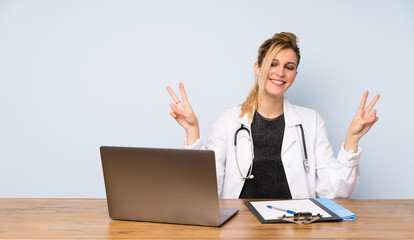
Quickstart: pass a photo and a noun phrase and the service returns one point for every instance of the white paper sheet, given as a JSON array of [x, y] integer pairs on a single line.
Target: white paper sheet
[[302, 205]]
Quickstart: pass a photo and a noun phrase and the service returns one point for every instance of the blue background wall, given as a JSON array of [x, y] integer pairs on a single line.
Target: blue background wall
[[75, 75]]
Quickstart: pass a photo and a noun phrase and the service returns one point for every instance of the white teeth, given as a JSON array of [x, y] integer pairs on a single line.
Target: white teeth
[[277, 82]]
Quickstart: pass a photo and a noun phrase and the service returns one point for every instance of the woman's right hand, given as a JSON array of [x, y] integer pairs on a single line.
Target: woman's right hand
[[184, 115]]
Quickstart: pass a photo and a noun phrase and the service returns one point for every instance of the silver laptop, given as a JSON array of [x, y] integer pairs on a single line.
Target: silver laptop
[[163, 185]]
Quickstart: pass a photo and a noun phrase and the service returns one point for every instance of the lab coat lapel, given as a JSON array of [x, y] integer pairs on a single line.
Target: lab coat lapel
[[291, 120]]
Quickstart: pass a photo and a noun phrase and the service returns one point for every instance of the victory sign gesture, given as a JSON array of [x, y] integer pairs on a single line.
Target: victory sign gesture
[[362, 122], [184, 114]]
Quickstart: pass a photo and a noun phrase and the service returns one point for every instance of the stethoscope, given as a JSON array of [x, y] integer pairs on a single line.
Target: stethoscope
[[250, 175]]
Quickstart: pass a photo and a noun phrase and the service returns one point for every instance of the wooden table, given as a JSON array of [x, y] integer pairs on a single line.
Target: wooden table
[[88, 219]]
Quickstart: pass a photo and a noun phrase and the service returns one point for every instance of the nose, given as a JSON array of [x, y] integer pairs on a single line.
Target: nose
[[279, 71]]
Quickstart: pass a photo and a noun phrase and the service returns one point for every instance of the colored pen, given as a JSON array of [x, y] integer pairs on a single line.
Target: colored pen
[[281, 209]]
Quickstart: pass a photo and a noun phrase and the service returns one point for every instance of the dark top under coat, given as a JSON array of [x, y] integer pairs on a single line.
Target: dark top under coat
[[269, 175]]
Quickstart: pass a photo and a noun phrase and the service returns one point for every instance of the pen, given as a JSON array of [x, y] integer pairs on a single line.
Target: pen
[[281, 209]]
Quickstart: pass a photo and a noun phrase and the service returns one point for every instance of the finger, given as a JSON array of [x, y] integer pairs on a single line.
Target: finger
[[372, 103], [182, 90], [173, 114], [173, 96], [363, 101], [369, 125], [373, 115], [175, 109]]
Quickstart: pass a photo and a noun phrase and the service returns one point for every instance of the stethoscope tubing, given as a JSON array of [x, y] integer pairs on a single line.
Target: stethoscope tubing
[[303, 142], [250, 175]]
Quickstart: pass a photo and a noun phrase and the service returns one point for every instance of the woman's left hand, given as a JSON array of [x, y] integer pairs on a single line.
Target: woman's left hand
[[363, 121]]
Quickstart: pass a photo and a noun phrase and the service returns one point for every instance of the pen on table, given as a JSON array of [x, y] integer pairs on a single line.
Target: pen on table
[[281, 209]]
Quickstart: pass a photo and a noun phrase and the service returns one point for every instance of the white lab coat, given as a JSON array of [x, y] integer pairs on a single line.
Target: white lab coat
[[327, 176]]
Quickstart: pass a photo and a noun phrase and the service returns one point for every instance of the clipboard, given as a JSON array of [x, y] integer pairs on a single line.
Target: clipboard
[[266, 215]]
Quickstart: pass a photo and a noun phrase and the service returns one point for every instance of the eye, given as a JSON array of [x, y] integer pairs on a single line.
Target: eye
[[291, 68], [273, 64]]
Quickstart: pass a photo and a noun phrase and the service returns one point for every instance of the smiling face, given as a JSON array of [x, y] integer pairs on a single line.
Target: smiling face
[[282, 73]]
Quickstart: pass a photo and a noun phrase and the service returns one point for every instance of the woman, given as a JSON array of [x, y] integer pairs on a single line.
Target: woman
[[292, 155]]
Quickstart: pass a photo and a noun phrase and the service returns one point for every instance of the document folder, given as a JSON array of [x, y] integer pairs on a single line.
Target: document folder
[[337, 209]]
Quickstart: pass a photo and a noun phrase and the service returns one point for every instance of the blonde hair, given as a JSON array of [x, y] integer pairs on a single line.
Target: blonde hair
[[267, 51]]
